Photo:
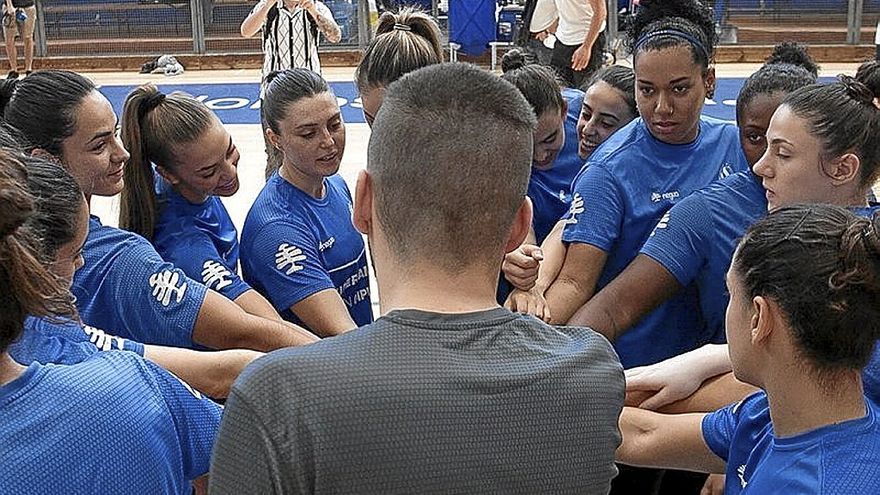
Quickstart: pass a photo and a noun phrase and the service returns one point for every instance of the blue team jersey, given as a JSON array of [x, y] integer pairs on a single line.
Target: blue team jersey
[[628, 184], [840, 458], [294, 245], [113, 423], [127, 289], [550, 190], [696, 238], [64, 342], [200, 239]]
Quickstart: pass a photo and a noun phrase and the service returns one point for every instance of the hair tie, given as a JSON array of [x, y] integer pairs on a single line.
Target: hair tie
[[401, 27], [151, 102], [675, 33]]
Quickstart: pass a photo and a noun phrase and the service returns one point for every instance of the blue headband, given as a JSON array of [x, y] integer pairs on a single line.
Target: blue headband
[[675, 33]]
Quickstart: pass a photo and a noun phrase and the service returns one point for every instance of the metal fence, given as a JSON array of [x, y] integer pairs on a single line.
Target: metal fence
[[149, 27]]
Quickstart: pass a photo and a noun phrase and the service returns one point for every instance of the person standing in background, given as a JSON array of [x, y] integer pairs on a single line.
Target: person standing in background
[[290, 40], [19, 16], [580, 37]]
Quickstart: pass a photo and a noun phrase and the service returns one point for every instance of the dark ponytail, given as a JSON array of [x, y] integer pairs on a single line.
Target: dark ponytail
[[821, 264], [153, 124]]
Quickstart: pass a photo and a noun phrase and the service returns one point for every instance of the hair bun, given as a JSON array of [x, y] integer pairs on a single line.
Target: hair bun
[[857, 90], [794, 54]]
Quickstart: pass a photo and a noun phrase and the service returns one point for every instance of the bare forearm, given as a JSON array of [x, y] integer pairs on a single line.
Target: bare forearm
[[600, 13], [564, 297], [329, 28], [714, 394], [221, 324], [554, 257], [665, 441], [254, 303], [211, 372], [254, 21]]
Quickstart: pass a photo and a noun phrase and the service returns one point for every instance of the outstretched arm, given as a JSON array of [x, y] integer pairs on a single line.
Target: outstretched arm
[[210, 372], [254, 21], [673, 441]]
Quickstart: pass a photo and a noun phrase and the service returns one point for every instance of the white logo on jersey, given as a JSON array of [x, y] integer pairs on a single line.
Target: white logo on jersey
[[164, 286], [726, 170], [741, 471], [102, 340], [576, 208], [671, 195], [215, 272], [327, 244], [288, 256], [662, 224], [561, 195]]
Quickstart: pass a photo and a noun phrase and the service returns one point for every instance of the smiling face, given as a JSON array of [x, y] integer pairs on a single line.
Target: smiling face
[[791, 168], [670, 91], [549, 138], [312, 137], [68, 258], [753, 124], [207, 166], [604, 111], [94, 154]]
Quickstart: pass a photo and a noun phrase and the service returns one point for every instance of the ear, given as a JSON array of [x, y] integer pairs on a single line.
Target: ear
[[710, 82], [274, 139], [764, 320], [167, 175], [45, 155], [363, 203], [844, 169], [522, 223]]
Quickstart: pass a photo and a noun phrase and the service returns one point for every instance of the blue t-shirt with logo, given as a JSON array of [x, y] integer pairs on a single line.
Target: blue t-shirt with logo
[[550, 190], [628, 184], [127, 289], [696, 238], [113, 423], [840, 458], [200, 239], [294, 245], [64, 342]]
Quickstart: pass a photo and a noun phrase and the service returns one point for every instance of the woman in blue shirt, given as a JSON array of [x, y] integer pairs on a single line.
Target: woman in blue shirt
[[694, 240], [299, 246], [645, 168], [61, 222], [113, 423], [182, 162], [125, 287], [803, 318], [822, 150]]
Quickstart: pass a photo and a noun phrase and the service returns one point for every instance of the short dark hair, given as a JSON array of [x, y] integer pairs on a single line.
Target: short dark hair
[[869, 74], [843, 116], [690, 17], [42, 106], [450, 190], [821, 265]]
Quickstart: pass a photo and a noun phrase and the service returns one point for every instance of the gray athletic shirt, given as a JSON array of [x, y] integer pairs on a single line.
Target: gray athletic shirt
[[487, 402]]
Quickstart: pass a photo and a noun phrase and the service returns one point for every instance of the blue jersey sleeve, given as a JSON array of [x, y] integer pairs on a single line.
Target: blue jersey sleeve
[[288, 264], [139, 296], [197, 256], [680, 239], [733, 431], [597, 209], [65, 342], [196, 419], [719, 428]]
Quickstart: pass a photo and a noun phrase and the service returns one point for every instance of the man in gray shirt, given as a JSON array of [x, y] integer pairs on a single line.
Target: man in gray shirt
[[446, 392]]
